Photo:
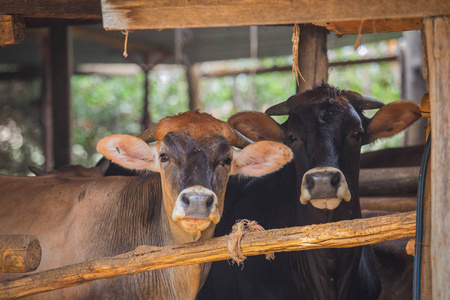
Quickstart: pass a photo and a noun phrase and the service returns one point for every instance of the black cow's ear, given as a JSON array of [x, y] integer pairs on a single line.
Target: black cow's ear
[[392, 119], [257, 126]]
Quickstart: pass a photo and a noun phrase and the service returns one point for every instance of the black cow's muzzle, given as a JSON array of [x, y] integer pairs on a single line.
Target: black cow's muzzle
[[195, 208], [324, 187]]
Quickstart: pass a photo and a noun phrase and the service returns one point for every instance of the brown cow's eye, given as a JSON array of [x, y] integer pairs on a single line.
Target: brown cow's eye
[[226, 162], [164, 157]]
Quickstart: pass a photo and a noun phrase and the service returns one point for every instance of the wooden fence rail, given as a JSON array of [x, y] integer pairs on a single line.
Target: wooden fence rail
[[341, 234]]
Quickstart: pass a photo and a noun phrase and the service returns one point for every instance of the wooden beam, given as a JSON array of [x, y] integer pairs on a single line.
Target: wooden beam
[[312, 56], [222, 73], [344, 234], [159, 14], [193, 80], [372, 26], [390, 204], [61, 72], [19, 253], [67, 9], [12, 30], [437, 31], [114, 41], [389, 181]]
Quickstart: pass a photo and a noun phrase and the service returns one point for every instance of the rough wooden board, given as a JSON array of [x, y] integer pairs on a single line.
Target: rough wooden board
[[342, 234], [372, 26], [61, 9], [437, 32], [19, 253], [388, 181], [159, 14], [391, 204], [12, 30]]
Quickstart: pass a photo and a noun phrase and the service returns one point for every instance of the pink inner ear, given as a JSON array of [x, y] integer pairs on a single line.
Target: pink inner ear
[[127, 151]]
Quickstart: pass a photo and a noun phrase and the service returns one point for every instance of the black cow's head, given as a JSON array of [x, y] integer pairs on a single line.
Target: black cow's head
[[194, 155], [325, 129]]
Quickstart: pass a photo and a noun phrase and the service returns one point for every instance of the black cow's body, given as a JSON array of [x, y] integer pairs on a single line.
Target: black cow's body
[[325, 130]]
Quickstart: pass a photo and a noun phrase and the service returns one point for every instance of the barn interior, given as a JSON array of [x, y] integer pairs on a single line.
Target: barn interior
[[45, 45]]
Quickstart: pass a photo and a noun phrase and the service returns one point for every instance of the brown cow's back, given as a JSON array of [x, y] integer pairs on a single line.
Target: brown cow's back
[[80, 219]]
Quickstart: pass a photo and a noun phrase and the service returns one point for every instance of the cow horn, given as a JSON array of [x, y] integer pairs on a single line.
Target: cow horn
[[280, 109], [362, 103], [241, 140], [148, 135]]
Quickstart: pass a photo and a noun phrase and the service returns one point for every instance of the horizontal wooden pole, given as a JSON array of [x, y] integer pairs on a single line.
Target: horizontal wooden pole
[[342, 234], [19, 253], [159, 14], [222, 73], [388, 181], [67, 9], [390, 204]]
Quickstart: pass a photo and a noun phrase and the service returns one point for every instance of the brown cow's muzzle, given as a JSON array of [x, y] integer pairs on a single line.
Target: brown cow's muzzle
[[324, 187], [195, 209]]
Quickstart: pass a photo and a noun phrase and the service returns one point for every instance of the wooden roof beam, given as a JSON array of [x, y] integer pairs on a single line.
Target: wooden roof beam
[[116, 42], [12, 30], [67, 9], [160, 14]]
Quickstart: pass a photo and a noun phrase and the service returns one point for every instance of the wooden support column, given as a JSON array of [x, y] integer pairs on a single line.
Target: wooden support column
[[312, 56], [61, 69], [193, 79], [437, 74], [12, 30], [414, 85], [19, 253]]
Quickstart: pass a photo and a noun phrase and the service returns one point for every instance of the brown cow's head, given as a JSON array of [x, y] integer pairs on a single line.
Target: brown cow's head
[[194, 155], [326, 129]]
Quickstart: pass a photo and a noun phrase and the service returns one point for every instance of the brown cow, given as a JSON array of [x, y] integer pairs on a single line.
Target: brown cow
[[79, 219], [74, 170]]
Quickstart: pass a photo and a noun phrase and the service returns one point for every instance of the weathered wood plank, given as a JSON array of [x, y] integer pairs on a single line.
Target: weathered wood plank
[[332, 235], [312, 56], [19, 253], [390, 204], [437, 31], [67, 9], [61, 72], [159, 14], [388, 182], [372, 26], [12, 30]]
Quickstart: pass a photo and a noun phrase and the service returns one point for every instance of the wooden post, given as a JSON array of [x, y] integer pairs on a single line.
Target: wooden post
[[343, 234], [312, 56], [193, 79], [414, 85], [19, 253], [61, 61], [12, 30], [437, 59], [389, 181]]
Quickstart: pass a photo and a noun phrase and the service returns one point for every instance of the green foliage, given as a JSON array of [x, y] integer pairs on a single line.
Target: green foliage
[[104, 105]]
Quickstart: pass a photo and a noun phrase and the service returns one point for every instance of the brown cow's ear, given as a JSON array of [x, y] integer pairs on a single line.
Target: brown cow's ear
[[256, 126], [260, 158], [129, 152], [391, 119]]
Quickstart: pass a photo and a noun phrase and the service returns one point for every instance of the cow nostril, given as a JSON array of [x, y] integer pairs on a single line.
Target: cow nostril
[[335, 179], [209, 201], [185, 200], [309, 182]]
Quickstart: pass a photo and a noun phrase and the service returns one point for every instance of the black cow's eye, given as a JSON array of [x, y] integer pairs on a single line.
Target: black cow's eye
[[226, 162], [291, 139], [164, 157], [357, 135]]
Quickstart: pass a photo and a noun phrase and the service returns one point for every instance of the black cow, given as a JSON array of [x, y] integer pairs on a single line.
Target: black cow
[[325, 129]]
